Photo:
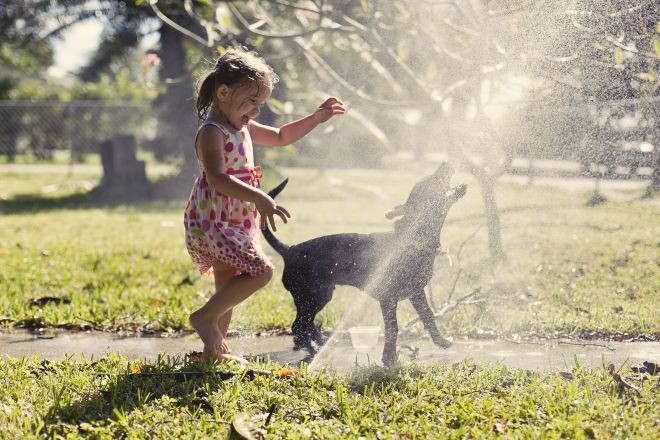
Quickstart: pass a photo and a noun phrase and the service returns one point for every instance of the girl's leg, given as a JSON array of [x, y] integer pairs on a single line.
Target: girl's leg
[[223, 322], [222, 274], [205, 320]]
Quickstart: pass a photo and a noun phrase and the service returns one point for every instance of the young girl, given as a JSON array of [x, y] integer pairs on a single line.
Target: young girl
[[226, 208]]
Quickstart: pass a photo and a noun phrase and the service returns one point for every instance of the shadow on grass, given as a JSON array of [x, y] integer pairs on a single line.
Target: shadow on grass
[[175, 188], [118, 394]]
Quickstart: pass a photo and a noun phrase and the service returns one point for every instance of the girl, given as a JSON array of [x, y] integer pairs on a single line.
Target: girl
[[226, 208]]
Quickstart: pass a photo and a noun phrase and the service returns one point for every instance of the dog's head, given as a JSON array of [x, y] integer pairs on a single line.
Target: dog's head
[[430, 198]]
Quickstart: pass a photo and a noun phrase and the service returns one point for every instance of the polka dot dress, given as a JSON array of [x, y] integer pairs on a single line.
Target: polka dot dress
[[221, 229]]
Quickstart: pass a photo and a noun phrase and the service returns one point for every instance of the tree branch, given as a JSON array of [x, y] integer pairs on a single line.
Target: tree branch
[[252, 28], [470, 298], [165, 19]]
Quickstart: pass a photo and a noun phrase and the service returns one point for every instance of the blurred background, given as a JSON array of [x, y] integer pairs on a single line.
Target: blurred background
[[518, 87]]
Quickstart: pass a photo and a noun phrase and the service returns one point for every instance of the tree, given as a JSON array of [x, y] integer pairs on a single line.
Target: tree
[[125, 23], [415, 71], [601, 58], [21, 50], [429, 73]]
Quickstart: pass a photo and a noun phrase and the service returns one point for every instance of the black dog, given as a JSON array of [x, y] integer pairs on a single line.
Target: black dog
[[389, 266]]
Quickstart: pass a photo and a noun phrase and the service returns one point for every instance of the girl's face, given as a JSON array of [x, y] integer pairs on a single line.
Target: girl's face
[[241, 103]]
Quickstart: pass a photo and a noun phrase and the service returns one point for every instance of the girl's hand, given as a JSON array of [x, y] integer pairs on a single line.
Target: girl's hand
[[268, 208], [330, 107]]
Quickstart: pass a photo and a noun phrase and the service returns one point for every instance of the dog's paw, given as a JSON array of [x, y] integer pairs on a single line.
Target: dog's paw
[[307, 346], [442, 342]]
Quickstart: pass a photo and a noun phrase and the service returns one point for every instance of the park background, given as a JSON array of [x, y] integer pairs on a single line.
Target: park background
[[548, 110]]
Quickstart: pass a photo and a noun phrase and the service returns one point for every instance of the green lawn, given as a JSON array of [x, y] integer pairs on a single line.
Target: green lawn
[[571, 271], [70, 399]]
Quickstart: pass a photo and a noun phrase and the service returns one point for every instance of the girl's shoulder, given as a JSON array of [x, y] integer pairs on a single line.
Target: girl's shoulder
[[208, 124]]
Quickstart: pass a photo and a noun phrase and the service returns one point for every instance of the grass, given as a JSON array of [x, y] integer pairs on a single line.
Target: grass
[[108, 398], [572, 270]]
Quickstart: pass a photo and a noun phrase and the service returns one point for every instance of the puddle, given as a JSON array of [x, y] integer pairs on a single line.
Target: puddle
[[541, 355]]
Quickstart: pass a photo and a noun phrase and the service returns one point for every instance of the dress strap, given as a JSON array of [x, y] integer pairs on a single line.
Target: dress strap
[[204, 124]]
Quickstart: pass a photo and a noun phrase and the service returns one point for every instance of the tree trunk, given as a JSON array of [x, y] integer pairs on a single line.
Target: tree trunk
[[177, 120], [655, 176], [492, 218]]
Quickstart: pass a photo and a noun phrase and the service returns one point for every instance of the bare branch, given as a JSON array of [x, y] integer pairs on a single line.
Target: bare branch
[[462, 29], [298, 7], [458, 261], [254, 28], [316, 58], [621, 381], [619, 13], [472, 297], [403, 66], [620, 45], [208, 42]]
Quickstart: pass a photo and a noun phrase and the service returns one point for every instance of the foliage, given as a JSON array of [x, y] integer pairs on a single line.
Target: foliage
[[21, 51], [121, 86], [598, 90], [48, 115]]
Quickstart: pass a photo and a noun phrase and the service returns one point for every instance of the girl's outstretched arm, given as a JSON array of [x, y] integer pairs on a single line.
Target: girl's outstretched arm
[[292, 131]]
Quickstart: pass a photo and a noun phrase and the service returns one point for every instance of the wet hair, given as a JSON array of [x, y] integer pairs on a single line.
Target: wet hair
[[236, 66]]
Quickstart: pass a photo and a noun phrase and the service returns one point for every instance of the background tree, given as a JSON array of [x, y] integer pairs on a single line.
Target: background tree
[[598, 62], [417, 74], [125, 24], [22, 53]]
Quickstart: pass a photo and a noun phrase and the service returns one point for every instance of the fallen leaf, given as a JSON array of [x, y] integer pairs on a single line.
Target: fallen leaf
[[155, 302], [500, 427], [287, 372], [48, 299], [139, 367], [242, 428]]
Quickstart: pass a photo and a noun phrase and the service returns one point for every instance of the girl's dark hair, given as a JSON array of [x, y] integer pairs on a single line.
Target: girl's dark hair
[[235, 66]]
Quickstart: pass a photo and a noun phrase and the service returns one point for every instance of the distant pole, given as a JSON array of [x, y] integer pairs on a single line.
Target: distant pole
[[68, 122]]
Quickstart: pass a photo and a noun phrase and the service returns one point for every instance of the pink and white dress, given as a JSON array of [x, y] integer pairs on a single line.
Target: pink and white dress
[[222, 229]]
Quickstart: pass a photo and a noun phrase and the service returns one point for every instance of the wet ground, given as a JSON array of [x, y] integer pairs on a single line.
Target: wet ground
[[540, 355]]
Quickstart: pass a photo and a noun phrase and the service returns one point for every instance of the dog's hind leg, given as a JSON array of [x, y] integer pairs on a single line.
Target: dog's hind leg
[[426, 315], [324, 296], [388, 308], [308, 304]]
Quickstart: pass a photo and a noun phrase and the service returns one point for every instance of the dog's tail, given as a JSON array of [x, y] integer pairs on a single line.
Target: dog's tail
[[279, 247]]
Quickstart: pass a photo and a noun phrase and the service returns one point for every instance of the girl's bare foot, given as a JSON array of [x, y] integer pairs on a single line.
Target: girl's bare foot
[[214, 344]]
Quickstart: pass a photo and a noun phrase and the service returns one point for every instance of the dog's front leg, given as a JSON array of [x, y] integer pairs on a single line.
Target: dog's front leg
[[426, 315], [388, 307]]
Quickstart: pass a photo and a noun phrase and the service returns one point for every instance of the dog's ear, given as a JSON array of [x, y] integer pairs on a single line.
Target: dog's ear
[[397, 211]]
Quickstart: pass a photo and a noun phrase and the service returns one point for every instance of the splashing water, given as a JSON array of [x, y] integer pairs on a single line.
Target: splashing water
[[357, 310]]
